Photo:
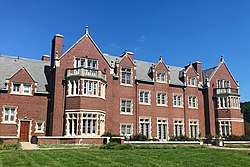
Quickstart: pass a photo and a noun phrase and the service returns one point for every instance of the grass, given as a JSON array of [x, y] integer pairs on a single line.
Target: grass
[[177, 157]]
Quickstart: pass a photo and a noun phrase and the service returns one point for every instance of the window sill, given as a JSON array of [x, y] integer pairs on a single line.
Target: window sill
[[39, 132], [21, 94], [127, 85], [9, 123], [163, 82], [196, 108], [146, 104], [161, 105], [193, 86], [122, 113], [178, 106]]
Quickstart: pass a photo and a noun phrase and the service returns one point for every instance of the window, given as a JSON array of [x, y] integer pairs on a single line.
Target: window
[[161, 98], [225, 129], [193, 129], [9, 114], [86, 63], [177, 100], [88, 88], [126, 106], [144, 97], [178, 128], [126, 129], [223, 83], [145, 127], [39, 127], [89, 124], [72, 124], [16, 88], [21, 88], [126, 76], [192, 102], [191, 81], [161, 77], [162, 129], [223, 102], [26, 89], [234, 102]]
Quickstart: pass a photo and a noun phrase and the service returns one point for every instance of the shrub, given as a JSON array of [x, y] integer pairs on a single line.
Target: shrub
[[237, 138], [12, 146], [1, 141], [116, 146], [180, 138], [138, 137]]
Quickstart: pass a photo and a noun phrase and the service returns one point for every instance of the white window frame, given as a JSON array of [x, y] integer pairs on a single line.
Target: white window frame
[[127, 101], [161, 124], [37, 128], [74, 133], [21, 89], [143, 123], [223, 124], [161, 77], [234, 102], [222, 83], [126, 126], [143, 101], [126, 75], [160, 97], [9, 121], [91, 124], [223, 102], [179, 100], [191, 81], [192, 102], [78, 63], [192, 124], [180, 125]]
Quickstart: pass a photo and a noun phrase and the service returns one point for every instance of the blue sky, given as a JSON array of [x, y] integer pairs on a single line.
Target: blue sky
[[179, 30]]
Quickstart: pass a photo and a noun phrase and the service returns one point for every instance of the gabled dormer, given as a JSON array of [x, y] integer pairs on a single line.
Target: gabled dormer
[[126, 69], [191, 77], [22, 83], [161, 72]]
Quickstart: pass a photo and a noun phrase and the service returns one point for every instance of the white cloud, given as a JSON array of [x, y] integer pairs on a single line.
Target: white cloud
[[114, 45], [141, 38]]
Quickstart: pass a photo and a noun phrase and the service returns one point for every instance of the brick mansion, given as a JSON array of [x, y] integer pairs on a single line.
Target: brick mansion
[[80, 94]]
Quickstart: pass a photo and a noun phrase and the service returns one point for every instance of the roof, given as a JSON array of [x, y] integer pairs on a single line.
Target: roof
[[208, 72], [143, 67], [38, 69]]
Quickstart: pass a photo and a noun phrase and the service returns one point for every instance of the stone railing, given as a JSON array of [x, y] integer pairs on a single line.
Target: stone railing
[[86, 73], [226, 91]]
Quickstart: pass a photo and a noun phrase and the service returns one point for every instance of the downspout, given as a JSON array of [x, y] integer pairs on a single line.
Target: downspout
[[185, 114], [137, 108]]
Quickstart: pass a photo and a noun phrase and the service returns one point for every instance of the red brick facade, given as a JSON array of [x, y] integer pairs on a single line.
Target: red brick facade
[[90, 93]]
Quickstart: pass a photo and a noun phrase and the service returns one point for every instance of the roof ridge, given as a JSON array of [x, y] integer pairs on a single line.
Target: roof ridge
[[23, 58]]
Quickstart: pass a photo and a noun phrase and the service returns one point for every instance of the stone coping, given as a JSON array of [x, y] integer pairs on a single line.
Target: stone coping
[[71, 137], [164, 142], [9, 137]]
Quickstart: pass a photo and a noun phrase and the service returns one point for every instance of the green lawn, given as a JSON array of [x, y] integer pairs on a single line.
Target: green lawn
[[168, 157]]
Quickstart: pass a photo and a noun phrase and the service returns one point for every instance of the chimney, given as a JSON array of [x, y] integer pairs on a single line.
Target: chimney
[[57, 45], [45, 58], [197, 67]]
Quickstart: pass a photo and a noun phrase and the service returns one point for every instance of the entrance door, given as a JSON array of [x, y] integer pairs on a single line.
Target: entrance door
[[24, 131]]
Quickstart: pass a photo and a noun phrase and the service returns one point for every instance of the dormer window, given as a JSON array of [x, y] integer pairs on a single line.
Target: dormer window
[[21, 88], [126, 76], [26, 89], [16, 88], [161, 77], [191, 81], [85, 63]]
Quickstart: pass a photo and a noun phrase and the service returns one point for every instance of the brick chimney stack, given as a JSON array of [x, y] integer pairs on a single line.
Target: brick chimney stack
[[57, 46], [197, 67]]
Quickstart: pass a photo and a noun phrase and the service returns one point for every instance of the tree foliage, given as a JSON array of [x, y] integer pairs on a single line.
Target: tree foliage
[[245, 109]]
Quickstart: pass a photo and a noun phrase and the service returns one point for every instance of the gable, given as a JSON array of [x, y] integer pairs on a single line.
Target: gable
[[126, 61], [83, 48], [222, 72], [23, 76], [190, 71]]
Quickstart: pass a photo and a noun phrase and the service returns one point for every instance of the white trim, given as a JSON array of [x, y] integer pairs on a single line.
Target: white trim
[[86, 110], [131, 130], [131, 106], [149, 97], [178, 106], [19, 127], [231, 119], [36, 127], [3, 115]]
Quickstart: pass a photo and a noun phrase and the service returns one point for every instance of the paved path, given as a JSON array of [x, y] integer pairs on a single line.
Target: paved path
[[228, 148], [29, 146]]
